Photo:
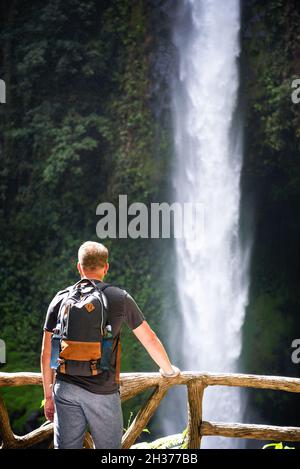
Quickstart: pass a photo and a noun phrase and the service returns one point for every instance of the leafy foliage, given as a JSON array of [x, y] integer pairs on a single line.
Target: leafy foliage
[[277, 446], [77, 130], [271, 175]]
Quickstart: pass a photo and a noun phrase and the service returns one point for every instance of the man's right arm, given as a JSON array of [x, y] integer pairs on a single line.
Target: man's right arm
[[148, 338], [154, 347], [48, 375]]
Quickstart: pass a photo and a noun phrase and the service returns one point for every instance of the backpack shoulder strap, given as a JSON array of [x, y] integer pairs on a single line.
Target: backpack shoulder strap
[[66, 290], [64, 294], [102, 286]]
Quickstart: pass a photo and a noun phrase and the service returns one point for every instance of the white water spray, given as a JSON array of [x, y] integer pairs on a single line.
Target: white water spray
[[212, 273]]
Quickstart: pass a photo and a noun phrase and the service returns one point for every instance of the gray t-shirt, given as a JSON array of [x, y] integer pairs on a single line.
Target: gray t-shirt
[[122, 308]]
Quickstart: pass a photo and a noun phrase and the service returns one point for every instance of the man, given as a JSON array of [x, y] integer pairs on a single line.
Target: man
[[75, 402]]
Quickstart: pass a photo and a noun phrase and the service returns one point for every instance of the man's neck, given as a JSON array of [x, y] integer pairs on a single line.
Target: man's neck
[[92, 276]]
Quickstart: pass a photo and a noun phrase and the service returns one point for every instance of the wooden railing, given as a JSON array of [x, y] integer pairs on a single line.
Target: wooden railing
[[135, 383]]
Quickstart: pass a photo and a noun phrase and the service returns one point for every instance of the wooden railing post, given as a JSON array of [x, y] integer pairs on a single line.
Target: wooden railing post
[[6, 433], [143, 416], [195, 397]]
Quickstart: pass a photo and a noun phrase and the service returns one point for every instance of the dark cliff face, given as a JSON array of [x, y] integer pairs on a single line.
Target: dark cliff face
[[271, 176]]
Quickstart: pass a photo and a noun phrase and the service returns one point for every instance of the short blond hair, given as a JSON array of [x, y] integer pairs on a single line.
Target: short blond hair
[[92, 255]]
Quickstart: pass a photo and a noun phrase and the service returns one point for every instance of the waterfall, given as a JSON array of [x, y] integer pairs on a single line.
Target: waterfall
[[211, 273]]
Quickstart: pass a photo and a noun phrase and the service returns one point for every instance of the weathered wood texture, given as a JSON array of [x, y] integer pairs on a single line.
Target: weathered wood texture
[[143, 416], [195, 398], [135, 383], [258, 432], [10, 440]]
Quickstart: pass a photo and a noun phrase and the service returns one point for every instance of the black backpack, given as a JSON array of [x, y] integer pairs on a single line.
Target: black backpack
[[81, 329]]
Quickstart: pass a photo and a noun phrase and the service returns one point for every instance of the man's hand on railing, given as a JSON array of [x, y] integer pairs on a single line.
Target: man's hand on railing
[[49, 408], [173, 374]]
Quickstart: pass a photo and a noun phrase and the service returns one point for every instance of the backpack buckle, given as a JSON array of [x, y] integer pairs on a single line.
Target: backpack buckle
[[62, 365], [93, 365]]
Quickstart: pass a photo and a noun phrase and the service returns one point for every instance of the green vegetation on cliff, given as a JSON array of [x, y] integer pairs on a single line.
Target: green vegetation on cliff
[[77, 130], [271, 181]]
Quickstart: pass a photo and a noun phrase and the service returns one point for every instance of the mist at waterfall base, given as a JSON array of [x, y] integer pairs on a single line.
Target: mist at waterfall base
[[211, 273]]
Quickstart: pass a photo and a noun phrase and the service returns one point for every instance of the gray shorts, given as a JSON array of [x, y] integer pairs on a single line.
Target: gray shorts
[[77, 410]]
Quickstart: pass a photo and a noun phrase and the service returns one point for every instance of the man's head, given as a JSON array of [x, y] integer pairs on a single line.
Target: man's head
[[92, 260]]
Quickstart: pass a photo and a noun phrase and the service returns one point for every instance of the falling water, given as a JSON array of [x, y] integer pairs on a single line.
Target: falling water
[[212, 272]]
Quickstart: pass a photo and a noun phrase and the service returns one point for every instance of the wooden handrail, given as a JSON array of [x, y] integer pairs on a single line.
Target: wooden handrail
[[132, 384], [142, 381]]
